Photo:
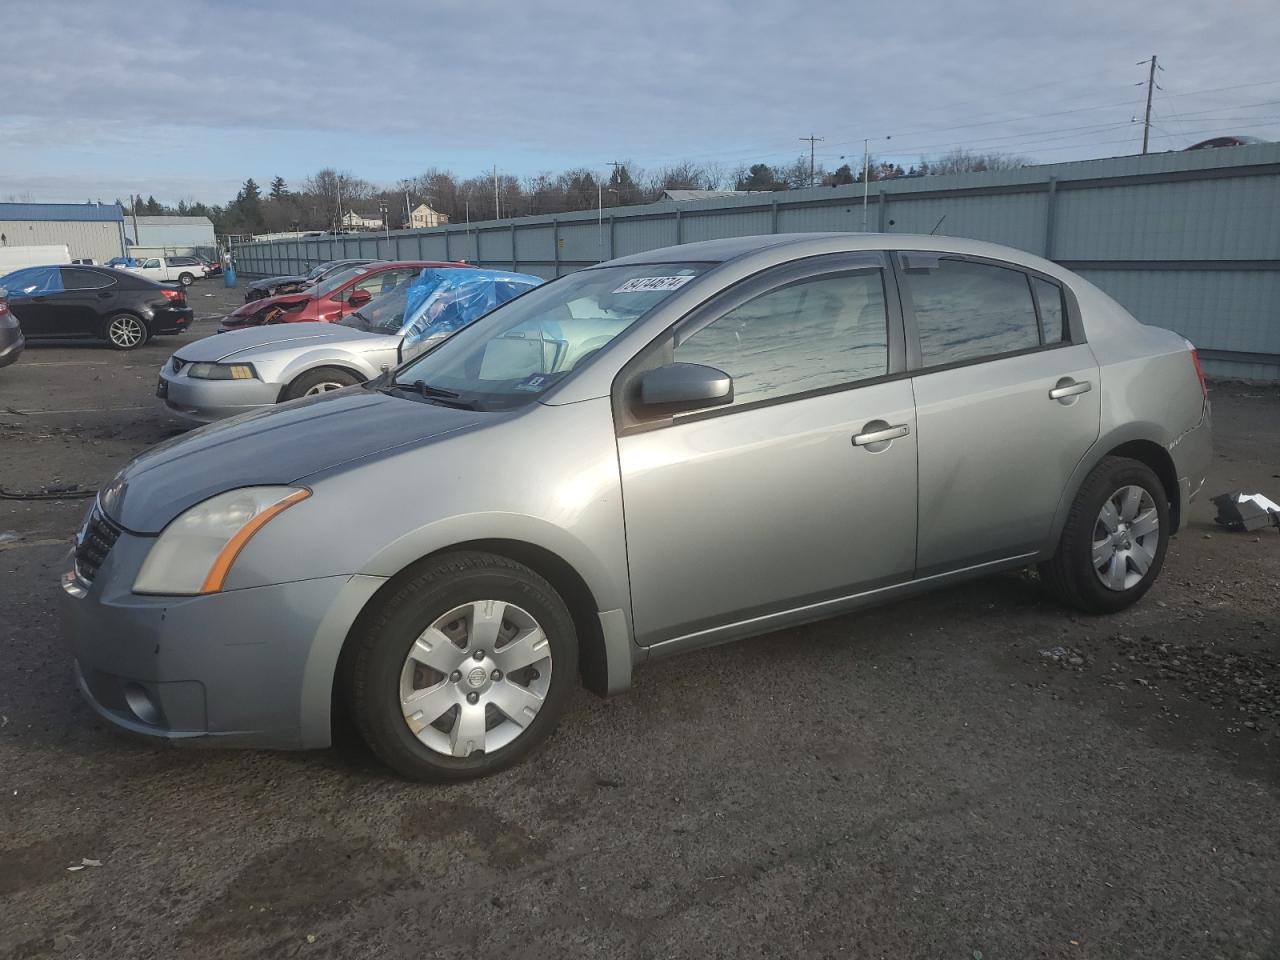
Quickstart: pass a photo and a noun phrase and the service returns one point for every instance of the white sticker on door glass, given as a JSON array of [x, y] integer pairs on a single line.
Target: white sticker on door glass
[[649, 284]]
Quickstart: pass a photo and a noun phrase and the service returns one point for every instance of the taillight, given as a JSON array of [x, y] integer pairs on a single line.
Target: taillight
[[1195, 359], [4, 308], [177, 296]]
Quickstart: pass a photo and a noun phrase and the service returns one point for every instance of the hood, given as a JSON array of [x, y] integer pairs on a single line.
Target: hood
[[254, 306], [276, 445], [237, 343], [274, 281]]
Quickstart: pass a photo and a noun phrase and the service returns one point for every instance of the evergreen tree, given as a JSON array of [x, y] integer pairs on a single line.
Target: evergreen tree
[[279, 190]]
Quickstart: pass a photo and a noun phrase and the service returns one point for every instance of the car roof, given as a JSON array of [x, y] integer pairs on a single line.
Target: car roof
[[787, 246]]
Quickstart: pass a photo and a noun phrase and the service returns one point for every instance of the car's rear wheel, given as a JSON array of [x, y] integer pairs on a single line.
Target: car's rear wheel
[[315, 382], [463, 669], [124, 331], [1114, 541], [186, 279]]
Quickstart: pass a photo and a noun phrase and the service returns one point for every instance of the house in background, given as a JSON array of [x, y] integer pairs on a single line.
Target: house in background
[[357, 221], [423, 217]]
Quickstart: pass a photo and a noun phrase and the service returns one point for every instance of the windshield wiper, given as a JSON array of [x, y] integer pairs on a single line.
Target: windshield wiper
[[447, 398]]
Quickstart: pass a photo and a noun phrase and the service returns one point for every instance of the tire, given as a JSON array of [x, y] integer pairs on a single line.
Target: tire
[[446, 595], [1128, 556], [186, 279], [125, 331], [319, 381]]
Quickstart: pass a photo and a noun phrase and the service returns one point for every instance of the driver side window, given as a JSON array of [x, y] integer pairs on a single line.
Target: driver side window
[[814, 333]]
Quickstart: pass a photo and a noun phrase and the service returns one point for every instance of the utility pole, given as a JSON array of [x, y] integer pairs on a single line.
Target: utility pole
[[1151, 84], [617, 176], [497, 213], [866, 178], [812, 140]]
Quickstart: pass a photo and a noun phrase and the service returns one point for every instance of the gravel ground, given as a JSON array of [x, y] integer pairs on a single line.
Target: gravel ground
[[978, 773]]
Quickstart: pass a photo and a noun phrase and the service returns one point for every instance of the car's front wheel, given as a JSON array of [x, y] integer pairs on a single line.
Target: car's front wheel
[[1114, 541], [463, 669], [124, 331], [315, 382]]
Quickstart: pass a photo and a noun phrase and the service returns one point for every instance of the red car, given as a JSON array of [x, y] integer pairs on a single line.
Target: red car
[[333, 298]]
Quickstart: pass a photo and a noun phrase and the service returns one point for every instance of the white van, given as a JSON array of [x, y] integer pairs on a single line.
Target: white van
[[15, 258]]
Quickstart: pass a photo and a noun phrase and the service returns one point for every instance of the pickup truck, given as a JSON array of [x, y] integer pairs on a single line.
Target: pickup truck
[[182, 269]]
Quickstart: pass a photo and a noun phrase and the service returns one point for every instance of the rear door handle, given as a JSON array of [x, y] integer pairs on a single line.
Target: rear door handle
[[883, 435], [1069, 388]]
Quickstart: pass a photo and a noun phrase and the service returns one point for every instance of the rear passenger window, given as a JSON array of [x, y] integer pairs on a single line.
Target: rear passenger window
[[815, 333], [73, 279], [1049, 300], [966, 311]]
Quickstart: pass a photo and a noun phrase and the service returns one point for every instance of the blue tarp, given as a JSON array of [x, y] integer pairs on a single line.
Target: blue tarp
[[442, 300], [32, 282]]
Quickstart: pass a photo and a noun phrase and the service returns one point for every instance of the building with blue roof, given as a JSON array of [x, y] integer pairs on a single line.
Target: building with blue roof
[[90, 230]]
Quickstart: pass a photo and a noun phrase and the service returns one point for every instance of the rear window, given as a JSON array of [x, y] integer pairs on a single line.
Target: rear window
[[967, 311], [75, 279]]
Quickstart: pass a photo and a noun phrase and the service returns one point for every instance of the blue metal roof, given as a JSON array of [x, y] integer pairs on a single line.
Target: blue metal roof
[[108, 212]]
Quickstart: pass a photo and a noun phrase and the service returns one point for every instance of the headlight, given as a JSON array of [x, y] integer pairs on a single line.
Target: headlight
[[195, 552], [222, 371]]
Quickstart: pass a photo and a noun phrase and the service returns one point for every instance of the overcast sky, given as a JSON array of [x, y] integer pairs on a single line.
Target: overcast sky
[[186, 100]]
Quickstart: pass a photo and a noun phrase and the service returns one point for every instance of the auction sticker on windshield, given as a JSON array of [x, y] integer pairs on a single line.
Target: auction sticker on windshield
[[649, 284]]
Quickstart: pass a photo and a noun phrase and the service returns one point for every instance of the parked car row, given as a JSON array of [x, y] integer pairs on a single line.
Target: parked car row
[[259, 366], [332, 297], [648, 456]]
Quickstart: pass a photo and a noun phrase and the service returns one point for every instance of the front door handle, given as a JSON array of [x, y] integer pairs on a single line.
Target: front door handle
[[1069, 388], [880, 435]]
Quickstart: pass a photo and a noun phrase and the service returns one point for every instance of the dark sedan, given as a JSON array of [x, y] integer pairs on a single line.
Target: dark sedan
[[273, 286], [120, 307]]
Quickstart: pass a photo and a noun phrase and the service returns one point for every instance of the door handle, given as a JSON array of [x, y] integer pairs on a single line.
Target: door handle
[[883, 435], [1069, 388]]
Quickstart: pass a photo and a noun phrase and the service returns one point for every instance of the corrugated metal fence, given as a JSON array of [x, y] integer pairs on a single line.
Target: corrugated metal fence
[[1188, 241]]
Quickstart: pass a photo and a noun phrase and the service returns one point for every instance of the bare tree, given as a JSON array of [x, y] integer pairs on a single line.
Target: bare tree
[[960, 160]]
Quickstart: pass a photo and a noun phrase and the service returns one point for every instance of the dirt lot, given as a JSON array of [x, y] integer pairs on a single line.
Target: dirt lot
[[979, 773]]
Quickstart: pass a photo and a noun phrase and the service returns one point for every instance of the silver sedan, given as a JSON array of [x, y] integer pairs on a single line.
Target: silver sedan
[[242, 370], [660, 453]]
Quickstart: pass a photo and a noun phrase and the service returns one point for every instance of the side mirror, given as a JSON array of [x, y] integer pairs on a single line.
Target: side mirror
[[359, 297], [686, 385]]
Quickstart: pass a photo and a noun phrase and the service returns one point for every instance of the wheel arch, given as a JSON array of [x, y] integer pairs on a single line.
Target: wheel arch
[[1137, 441], [294, 375], [596, 665]]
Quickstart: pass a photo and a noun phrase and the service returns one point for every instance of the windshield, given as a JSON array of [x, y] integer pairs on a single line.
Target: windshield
[[317, 271], [326, 287], [384, 314], [521, 350]]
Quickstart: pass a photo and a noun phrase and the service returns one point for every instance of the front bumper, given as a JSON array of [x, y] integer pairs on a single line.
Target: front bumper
[[203, 401], [11, 345], [251, 667]]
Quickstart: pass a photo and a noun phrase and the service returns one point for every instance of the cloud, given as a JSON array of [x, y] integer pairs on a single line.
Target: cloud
[[205, 94]]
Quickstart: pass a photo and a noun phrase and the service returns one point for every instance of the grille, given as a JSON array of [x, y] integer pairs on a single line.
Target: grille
[[94, 543]]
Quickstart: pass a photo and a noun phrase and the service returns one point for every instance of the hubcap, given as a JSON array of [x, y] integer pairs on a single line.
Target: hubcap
[[1126, 536], [125, 331], [476, 678], [324, 387]]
